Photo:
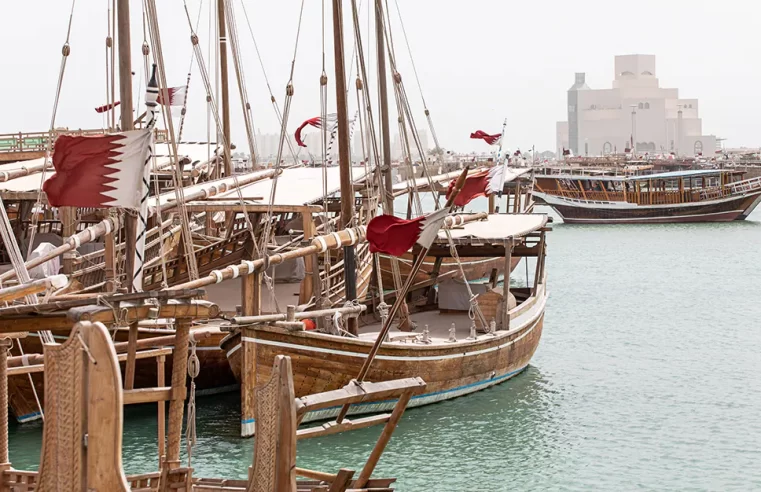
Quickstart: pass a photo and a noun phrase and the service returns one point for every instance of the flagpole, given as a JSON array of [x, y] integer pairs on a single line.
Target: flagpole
[[401, 296], [504, 166]]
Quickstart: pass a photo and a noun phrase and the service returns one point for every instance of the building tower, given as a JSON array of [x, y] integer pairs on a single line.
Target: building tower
[[573, 111]]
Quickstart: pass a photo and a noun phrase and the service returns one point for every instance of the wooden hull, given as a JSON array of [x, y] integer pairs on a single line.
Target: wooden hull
[[587, 212], [215, 375], [323, 362]]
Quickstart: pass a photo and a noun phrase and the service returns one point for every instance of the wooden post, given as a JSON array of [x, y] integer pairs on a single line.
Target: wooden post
[[518, 199], [312, 274], [491, 204], [5, 344], [537, 271], [110, 259], [177, 404], [508, 272], [384, 118], [385, 436], [161, 380], [225, 84], [247, 381], [251, 306], [69, 226], [344, 158], [129, 370]]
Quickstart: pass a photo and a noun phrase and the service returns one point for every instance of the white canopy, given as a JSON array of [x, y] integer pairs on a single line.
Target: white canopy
[[498, 227]]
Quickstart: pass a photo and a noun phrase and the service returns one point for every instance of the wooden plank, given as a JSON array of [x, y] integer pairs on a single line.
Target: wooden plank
[[161, 417], [342, 481], [315, 475], [147, 395], [306, 289], [354, 393], [177, 404], [250, 207], [129, 371], [335, 428]]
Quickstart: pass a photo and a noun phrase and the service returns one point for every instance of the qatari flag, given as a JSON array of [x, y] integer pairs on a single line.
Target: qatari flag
[[490, 139], [98, 172], [176, 96], [395, 236], [107, 107], [331, 123], [483, 183]]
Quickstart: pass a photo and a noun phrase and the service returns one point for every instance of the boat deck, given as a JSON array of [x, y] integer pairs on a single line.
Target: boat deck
[[438, 323]]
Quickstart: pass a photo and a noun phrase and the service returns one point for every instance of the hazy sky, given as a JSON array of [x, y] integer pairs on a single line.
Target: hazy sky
[[479, 61]]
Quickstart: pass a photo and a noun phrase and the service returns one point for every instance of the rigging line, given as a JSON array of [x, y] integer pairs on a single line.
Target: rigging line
[[183, 112]]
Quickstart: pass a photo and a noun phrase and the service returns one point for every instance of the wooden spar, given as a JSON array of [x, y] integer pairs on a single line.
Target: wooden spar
[[225, 85], [214, 188], [320, 244], [400, 298], [23, 171], [383, 100], [88, 235], [344, 158], [177, 404], [269, 318], [33, 287]]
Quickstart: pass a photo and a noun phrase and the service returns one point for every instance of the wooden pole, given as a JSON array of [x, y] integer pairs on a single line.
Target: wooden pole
[[344, 158], [508, 270], [33, 287], [125, 64], [225, 84], [177, 404], [5, 344], [69, 226], [129, 370], [247, 381], [312, 276], [383, 100], [161, 380]]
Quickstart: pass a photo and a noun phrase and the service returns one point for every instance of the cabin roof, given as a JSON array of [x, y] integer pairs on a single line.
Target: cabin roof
[[497, 227], [422, 183], [644, 177]]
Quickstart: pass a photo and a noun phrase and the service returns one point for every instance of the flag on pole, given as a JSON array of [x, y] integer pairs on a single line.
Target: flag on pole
[[490, 139], [395, 236], [331, 123], [483, 183], [107, 107], [174, 95], [98, 172]]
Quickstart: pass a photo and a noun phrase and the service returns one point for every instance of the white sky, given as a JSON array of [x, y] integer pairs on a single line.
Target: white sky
[[479, 61]]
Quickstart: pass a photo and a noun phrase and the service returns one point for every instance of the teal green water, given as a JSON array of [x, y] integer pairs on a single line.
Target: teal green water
[[648, 377]]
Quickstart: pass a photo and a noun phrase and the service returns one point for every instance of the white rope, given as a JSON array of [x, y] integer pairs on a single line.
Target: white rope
[[194, 369]]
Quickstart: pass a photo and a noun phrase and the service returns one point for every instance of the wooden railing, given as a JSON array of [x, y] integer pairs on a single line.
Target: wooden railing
[[36, 142]]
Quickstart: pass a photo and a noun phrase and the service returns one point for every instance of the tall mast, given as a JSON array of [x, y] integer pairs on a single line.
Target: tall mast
[[125, 64], [344, 158], [383, 96], [225, 85], [125, 94]]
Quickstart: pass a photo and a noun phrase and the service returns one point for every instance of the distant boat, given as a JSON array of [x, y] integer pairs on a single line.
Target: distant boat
[[704, 195]]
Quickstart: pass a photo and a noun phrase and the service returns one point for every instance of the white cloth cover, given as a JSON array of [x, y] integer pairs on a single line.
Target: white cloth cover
[[453, 294], [48, 268]]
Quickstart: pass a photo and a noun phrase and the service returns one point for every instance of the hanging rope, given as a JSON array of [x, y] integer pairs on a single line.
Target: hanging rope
[[194, 369]]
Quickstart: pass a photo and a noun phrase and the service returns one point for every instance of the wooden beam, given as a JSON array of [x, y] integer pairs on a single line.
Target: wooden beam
[[177, 403], [342, 481], [147, 395], [353, 393], [236, 206], [334, 428], [129, 371]]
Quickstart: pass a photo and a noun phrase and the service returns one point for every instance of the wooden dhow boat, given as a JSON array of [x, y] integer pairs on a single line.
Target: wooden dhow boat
[[704, 195]]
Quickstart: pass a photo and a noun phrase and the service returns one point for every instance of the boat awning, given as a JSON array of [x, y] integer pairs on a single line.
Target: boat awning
[[422, 183], [497, 227], [296, 186]]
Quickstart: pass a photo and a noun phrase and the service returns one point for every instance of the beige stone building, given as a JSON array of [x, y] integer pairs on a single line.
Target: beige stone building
[[635, 108]]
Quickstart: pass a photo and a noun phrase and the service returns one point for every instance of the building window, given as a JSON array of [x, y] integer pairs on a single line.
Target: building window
[[647, 73], [607, 148], [647, 105], [641, 106], [698, 147]]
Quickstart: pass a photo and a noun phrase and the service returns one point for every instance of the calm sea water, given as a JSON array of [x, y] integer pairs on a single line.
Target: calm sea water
[[648, 377]]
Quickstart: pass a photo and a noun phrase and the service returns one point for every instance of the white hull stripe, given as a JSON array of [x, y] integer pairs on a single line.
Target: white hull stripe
[[247, 425], [660, 217]]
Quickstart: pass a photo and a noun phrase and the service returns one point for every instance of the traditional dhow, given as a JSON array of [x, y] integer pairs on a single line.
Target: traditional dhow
[[463, 344], [707, 195]]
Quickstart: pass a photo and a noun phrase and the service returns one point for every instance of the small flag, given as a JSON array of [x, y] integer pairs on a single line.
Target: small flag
[[395, 236], [490, 139], [175, 96], [98, 172], [331, 123], [107, 107]]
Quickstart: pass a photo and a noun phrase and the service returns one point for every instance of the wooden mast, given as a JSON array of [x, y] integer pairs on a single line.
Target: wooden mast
[[383, 99], [125, 94], [225, 84], [344, 157]]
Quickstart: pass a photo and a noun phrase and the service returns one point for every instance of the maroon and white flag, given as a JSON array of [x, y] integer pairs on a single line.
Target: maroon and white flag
[[99, 172], [482, 183], [395, 236], [330, 123], [107, 107], [490, 139], [174, 96]]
